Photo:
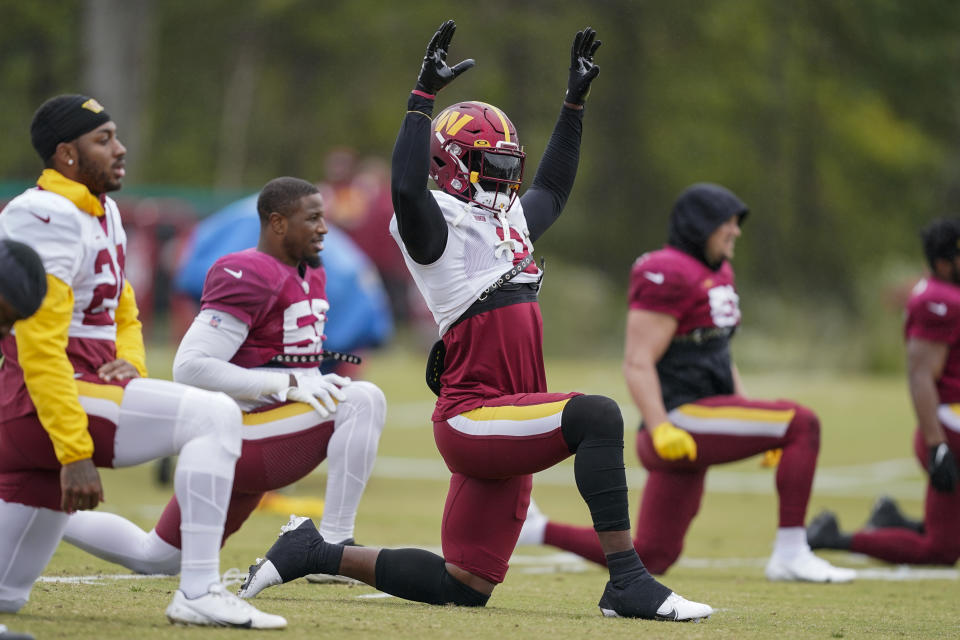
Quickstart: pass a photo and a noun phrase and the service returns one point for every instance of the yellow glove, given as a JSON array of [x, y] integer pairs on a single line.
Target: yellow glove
[[771, 457], [672, 443]]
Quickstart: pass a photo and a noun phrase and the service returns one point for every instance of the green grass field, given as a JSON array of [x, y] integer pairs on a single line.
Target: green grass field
[[867, 430]]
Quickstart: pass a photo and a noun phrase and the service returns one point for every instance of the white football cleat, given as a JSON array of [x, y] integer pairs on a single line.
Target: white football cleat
[[806, 567], [220, 608], [262, 574], [679, 609], [533, 526], [6, 634], [285, 560]]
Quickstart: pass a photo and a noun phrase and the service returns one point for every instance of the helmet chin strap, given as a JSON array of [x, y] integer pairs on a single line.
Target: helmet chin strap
[[493, 199], [499, 202]]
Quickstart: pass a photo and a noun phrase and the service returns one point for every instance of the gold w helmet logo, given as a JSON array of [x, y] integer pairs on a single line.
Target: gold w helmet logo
[[451, 122]]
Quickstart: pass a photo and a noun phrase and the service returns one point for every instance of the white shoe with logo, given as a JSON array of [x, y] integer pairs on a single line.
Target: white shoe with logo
[[220, 608], [806, 567]]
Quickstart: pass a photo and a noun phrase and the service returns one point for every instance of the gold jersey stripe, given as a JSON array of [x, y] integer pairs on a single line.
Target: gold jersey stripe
[[746, 414], [280, 413], [109, 392], [528, 412]]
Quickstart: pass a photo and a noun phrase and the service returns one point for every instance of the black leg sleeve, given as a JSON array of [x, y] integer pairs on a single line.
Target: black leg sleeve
[[593, 429], [421, 576]]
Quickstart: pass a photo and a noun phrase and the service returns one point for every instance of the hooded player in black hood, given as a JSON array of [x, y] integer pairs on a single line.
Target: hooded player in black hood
[[683, 312], [697, 213]]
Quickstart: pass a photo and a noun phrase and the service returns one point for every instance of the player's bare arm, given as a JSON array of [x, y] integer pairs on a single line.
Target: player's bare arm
[[925, 361], [649, 334], [648, 337]]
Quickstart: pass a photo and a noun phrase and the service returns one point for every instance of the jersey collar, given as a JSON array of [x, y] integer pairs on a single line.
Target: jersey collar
[[75, 192]]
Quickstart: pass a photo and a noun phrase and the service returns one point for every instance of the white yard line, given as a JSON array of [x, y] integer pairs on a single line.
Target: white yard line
[[900, 478], [564, 562]]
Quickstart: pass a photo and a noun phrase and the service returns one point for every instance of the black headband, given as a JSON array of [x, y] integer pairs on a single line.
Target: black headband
[[64, 119], [23, 280]]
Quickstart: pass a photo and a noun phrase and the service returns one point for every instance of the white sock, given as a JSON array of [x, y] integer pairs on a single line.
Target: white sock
[[116, 539], [350, 456], [790, 542], [203, 482], [534, 526]]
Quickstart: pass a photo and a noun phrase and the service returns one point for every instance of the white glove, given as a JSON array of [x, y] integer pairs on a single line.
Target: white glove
[[320, 392]]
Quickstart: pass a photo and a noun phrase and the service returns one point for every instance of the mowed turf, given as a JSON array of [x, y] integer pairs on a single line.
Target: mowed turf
[[865, 421]]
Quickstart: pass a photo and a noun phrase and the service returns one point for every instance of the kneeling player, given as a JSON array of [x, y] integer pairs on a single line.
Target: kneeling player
[[259, 339], [933, 364], [73, 395], [469, 248], [684, 310]]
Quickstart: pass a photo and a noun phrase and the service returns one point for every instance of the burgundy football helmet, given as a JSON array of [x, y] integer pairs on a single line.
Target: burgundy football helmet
[[475, 156]]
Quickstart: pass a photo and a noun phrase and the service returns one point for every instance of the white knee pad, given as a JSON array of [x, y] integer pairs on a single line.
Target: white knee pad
[[203, 413], [365, 401], [158, 557]]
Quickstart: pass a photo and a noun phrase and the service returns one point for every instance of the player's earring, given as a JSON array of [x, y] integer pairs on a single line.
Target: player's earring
[[69, 160]]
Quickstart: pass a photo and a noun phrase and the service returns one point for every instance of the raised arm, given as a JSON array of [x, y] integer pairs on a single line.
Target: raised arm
[[544, 200], [925, 362], [419, 219]]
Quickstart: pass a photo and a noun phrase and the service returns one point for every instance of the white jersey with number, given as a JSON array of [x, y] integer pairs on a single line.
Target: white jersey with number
[[479, 250], [86, 252]]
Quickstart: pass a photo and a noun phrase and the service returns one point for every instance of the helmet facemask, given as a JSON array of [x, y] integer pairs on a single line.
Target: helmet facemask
[[495, 175], [475, 156]]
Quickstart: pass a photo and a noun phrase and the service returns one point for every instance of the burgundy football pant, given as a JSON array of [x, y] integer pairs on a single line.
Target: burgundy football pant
[[940, 541], [726, 429]]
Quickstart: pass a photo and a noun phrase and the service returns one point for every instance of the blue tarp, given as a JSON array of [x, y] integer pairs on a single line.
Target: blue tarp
[[359, 315]]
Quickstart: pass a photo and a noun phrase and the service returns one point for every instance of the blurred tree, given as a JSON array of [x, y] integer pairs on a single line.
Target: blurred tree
[[836, 122]]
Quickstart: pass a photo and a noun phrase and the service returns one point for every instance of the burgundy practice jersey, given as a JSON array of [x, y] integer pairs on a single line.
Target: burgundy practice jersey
[[286, 312], [706, 306], [933, 314], [493, 354]]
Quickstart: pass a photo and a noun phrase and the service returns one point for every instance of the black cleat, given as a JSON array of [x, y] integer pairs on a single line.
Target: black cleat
[[630, 602], [286, 560], [886, 514], [823, 532]]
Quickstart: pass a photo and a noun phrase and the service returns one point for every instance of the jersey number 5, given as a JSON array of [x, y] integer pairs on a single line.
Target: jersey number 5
[[303, 324]]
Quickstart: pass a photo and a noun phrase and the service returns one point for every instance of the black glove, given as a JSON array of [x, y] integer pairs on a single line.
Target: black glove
[[582, 69], [435, 74], [942, 468]]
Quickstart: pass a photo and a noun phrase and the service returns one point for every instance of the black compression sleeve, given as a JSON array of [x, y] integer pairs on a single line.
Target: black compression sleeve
[[419, 219], [421, 576], [545, 199]]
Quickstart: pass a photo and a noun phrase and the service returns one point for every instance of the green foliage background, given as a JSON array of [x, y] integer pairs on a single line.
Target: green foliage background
[[837, 122]]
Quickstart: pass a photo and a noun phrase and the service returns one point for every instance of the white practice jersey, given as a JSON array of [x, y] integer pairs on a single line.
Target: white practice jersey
[[479, 250], [84, 251]]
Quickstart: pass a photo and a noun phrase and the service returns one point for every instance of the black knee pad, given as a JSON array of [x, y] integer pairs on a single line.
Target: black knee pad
[[421, 576], [590, 417], [460, 594]]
